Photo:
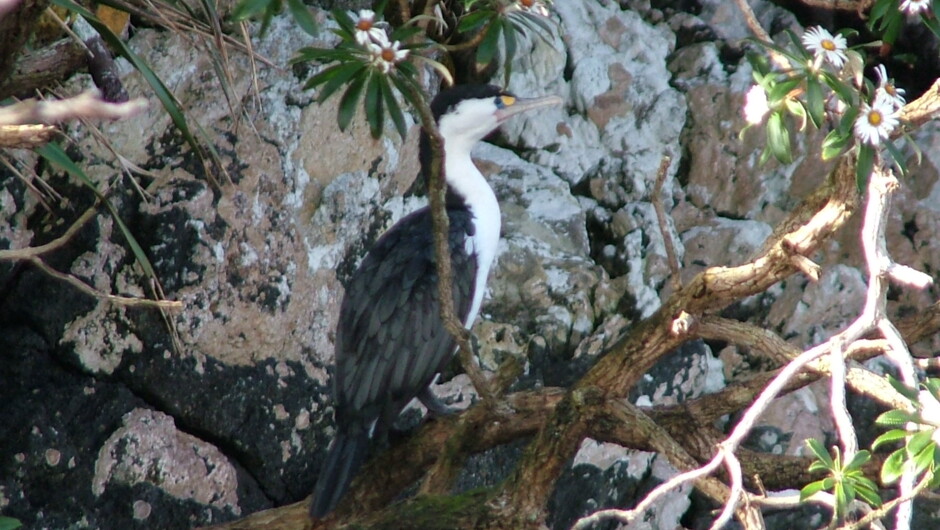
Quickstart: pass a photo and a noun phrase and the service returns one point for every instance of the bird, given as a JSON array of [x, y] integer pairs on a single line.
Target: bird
[[390, 342]]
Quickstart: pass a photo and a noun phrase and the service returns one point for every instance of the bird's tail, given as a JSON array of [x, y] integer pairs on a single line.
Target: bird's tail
[[348, 452]]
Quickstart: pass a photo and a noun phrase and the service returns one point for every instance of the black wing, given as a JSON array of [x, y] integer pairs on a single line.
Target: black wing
[[391, 341]]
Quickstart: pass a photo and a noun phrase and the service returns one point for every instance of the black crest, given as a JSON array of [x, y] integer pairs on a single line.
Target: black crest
[[447, 99]]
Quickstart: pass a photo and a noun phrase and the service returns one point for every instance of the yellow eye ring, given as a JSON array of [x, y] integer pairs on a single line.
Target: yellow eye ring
[[507, 100]]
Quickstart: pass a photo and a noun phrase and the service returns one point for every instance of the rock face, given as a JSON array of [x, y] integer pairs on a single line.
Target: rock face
[[123, 417]]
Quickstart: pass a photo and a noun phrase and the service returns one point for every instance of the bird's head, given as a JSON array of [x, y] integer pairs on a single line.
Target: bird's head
[[465, 114]]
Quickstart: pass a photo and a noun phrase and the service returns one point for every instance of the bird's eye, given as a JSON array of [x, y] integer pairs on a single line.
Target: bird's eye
[[505, 100]]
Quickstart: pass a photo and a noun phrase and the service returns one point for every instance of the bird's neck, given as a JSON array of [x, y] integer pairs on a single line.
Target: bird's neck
[[466, 185], [466, 188]]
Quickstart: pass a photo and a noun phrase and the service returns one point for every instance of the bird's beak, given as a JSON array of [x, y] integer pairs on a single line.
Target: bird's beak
[[525, 104]]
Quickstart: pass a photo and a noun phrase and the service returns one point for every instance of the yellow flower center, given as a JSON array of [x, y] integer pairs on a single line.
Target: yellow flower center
[[828, 45], [388, 55], [364, 24], [875, 118]]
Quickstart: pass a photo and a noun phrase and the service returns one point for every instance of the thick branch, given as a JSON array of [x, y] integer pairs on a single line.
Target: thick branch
[[16, 25], [803, 232], [41, 68]]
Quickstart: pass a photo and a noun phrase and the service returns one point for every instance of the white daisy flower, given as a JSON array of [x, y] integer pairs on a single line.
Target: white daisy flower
[[823, 44], [386, 55], [915, 7], [366, 29], [875, 123], [887, 89], [755, 105]]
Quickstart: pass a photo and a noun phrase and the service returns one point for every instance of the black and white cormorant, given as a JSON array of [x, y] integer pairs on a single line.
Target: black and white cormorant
[[390, 341]]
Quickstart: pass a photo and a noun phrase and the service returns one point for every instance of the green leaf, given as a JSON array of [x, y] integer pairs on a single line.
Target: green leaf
[[760, 65], [933, 22], [842, 499], [834, 143], [543, 27], [903, 389], [474, 20], [780, 90], [490, 44], [866, 161], [509, 39], [348, 73], [407, 85], [880, 9], [845, 92], [778, 138], [900, 161], [347, 27], [394, 109], [303, 17], [248, 8], [375, 114], [893, 467], [893, 435], [405, 33], [811, 489], [924, 459], [323, 55], [441, 69], [819, 450], [895, 417], [815, 103], [9, 523], [350, 101], [804, 55], [867, 490], [919, 441], [932, 384], [857, 461]]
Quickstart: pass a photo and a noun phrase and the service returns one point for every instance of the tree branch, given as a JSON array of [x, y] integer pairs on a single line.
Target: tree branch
[[88, 104]]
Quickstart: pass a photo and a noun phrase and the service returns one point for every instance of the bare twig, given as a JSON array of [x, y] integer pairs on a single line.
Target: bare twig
[[754, 25], [31, 252], [663, 220], [91, 291], [85, 105], [26, 136]]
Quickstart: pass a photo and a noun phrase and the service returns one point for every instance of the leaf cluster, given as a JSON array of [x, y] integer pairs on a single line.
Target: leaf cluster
[[809, 92], [497, 20], [846, 481], [886, 19], [917, 431], [351, 66], [267, 9]]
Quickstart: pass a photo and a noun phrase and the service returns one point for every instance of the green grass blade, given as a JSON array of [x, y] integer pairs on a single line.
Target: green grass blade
[[56, 156], [170, 104]]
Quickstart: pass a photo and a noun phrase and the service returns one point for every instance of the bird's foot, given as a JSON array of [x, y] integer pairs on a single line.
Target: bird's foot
[[434, 404]]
